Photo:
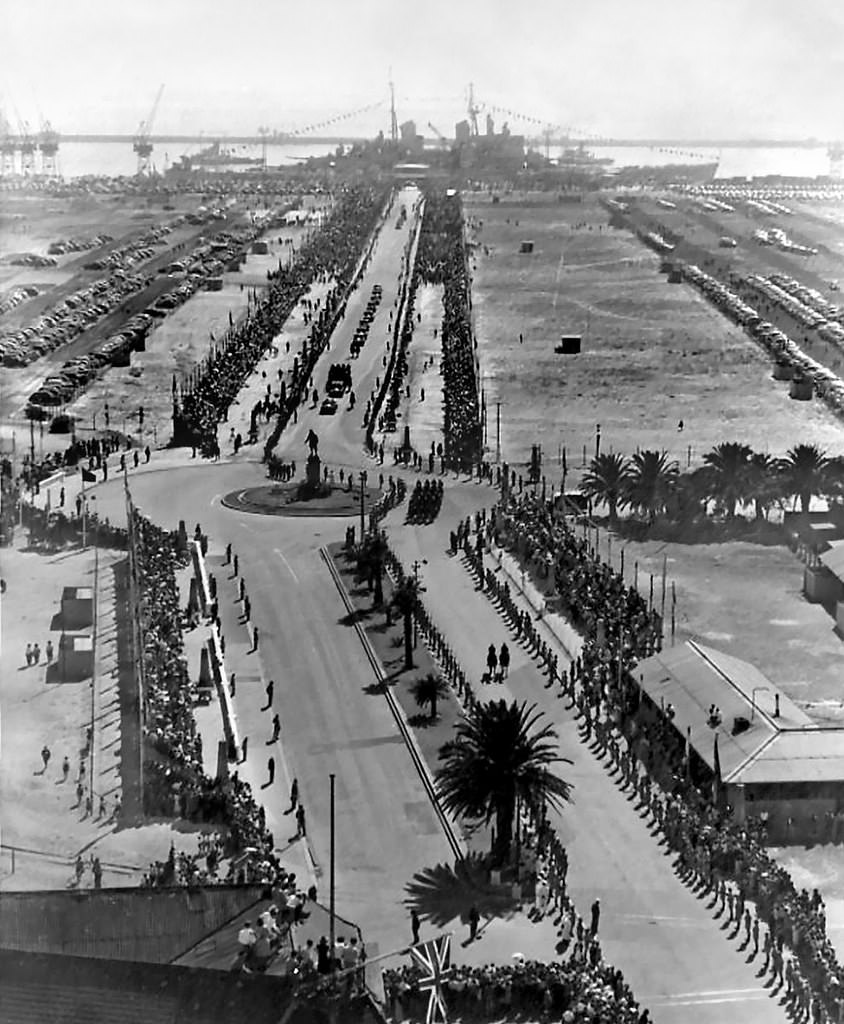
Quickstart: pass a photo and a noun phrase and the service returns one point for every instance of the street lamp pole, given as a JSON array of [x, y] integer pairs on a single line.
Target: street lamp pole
[[331, 778], [362, 520], [415, 568]]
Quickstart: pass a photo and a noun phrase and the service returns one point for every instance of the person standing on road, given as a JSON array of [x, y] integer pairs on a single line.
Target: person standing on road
[[504, 661], [596, 918], [300, 822], [271, 769], [474, 921], [65, 769], [254, 638], [414, 926], [243, 749], [45, 757], [269, 691], [491, 661]]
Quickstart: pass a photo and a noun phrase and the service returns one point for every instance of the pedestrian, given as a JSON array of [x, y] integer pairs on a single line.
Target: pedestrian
[[45, 757], [243, 747], [271, 769], [300, 821], [474, 921], [80, 792], [235, 564], [254, 638], [65, 769], [504, 661], [97, 868], [232, 686], [269, 691], [89, 806], [80, 869], [414, 926], [102, 811], [596, 918], [28, 655], [36, 654], [294, 796]]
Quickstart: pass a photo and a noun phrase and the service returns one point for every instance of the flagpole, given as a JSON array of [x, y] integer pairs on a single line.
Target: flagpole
[[84, 510]]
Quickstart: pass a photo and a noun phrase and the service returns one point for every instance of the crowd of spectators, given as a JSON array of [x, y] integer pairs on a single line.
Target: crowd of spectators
[[572, 990], [330, 255], [441, 259], [174, 782]]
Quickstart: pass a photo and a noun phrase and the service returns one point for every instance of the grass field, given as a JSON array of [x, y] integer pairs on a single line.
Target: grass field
[[653, 354]]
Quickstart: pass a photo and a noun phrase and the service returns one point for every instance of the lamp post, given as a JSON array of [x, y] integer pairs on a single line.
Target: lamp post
[[331, 923], [362, 486], [753, 693], [416, 566]]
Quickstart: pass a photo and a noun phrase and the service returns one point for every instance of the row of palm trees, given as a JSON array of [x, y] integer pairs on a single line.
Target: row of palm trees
[[502, 755], [733, 475]]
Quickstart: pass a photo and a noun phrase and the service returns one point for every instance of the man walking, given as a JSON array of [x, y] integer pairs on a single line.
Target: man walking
[[45, 757], [271, 769], [414, 926], [491, 661], [276, 730], [269, 691], [294, 796], [300, 822], [504, 661], [98, 873], [474, 921], [65, 769], [254, 639], [243, 747]]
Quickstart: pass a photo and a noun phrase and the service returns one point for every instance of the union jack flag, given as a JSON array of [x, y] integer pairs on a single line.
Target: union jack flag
[[434, 957]]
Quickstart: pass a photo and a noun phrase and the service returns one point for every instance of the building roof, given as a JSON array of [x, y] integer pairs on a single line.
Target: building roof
[[787, 748], [834, 558], [692, 677], [798, 755]]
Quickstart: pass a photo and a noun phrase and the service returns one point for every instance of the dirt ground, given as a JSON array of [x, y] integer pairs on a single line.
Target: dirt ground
[[653, 354]]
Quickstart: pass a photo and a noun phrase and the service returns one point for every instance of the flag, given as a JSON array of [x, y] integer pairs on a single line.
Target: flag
[[434, 957], [88, 477]]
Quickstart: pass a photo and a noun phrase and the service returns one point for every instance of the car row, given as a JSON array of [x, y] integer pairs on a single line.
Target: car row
[[31, 259], [66, 245], [16, 296], [825, 383], [794, 306], [362, 329], [69, 318], [810, 296]]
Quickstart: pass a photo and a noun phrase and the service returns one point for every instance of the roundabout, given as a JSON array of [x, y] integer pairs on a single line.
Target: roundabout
[[294, 500]]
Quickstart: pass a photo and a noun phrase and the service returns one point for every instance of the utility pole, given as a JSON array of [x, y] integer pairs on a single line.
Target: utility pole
[[331, 872], [362, 521], [498, 431]]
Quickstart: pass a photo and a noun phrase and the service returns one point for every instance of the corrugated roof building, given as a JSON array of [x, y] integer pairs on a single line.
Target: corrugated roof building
[[774, 761]]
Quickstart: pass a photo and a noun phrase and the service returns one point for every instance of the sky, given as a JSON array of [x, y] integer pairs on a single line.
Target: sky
[[620, 68]]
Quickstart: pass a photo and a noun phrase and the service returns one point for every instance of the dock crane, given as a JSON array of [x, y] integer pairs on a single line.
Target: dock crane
[[8, 147], [27, 148], [48, 144], [443, 141], [142, 143]]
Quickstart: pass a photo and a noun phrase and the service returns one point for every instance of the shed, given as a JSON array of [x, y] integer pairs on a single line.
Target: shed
[[772, 759], [77, 607], [525, 248]]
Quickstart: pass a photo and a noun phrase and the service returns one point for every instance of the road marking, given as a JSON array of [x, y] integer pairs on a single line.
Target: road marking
[[214, 500], [280, 554], [708, 1001]]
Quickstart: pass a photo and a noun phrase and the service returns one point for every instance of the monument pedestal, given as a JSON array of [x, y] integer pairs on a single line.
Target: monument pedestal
[[313, 467]]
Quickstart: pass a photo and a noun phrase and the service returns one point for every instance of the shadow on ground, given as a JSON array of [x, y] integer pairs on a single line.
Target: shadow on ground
[[443, 893]]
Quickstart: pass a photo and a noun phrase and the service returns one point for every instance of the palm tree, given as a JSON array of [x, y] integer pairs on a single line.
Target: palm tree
[[605, 481], [763, 485], [730, 465], [406, 599], [428, 690], [500, 754], [650, 479], [371, 556], [803, 473]]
